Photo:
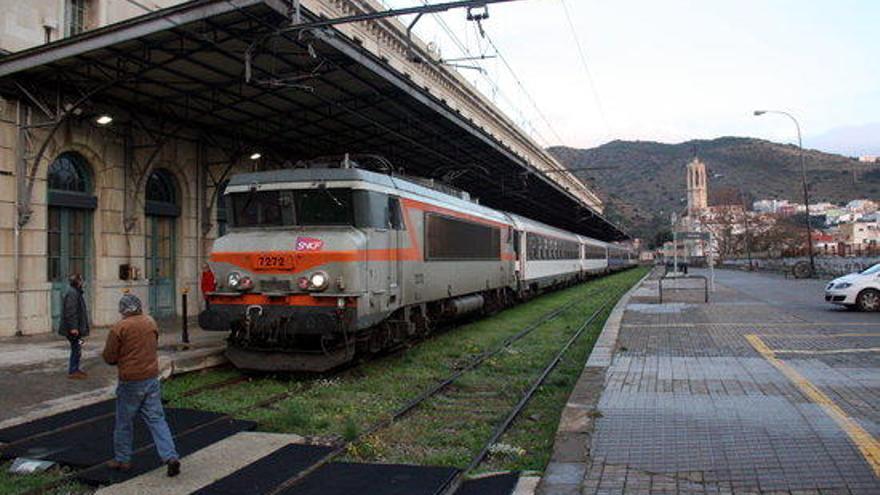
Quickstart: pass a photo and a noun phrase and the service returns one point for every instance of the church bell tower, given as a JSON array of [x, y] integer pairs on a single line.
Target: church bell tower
[[697, 190]]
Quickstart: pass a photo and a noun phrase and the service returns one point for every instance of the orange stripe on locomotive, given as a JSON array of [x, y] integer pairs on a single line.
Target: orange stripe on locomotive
[[309, 260]]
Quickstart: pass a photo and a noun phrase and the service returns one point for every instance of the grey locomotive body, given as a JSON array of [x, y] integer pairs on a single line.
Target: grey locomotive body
[[324, 264]]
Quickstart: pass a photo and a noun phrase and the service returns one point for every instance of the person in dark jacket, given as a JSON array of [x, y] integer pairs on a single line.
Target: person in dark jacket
[[74, 324]]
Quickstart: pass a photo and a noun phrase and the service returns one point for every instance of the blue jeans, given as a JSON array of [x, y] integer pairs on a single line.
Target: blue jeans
[[75, 354], [142, 397]]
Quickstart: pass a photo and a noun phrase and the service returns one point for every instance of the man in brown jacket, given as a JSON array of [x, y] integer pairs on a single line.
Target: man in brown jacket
[[132, 346]]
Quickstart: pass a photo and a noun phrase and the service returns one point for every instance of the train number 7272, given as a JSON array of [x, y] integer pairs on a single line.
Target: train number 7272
[[267, 261]]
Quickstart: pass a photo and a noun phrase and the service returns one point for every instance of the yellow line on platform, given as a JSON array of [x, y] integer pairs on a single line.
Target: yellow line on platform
[[818, 336], [739, 324], [866, 443], [826, 351]]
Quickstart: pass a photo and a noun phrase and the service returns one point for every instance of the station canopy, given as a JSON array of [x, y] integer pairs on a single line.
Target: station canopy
[[303, 94]]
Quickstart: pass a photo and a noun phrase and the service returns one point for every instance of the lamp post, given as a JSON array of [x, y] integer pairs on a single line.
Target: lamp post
[[804, 180]]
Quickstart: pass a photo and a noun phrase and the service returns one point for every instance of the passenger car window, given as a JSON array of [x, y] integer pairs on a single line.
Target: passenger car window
[[448, 238]]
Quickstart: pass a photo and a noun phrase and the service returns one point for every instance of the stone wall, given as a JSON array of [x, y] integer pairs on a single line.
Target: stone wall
[[826, 266], [110, 244]]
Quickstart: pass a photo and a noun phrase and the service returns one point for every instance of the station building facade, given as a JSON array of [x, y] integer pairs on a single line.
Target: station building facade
[[133, 202], [76, 221]]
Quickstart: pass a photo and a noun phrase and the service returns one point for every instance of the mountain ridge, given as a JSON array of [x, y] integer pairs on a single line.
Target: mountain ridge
[[643, 182]]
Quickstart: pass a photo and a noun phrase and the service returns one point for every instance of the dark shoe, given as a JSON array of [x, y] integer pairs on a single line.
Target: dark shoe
[[173, 468], [77, 375], [119, 466]]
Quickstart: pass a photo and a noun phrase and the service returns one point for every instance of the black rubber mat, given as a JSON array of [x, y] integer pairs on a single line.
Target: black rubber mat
[[25, 430], [186, 444], [343, 478], [92, 443], [499, 484], [267, 473]]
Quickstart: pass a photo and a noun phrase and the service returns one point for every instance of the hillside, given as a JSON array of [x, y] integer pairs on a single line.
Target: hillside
[[645, 181]]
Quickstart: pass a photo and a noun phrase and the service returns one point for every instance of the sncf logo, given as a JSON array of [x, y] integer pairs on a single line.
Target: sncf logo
[[309, 244]]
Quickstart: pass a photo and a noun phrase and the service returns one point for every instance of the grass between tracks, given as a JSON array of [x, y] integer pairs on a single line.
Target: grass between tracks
[[453, 426], [17, 483], [341, 406]]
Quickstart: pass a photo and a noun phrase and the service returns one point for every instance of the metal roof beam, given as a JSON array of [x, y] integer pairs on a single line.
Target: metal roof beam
[[134, 28]]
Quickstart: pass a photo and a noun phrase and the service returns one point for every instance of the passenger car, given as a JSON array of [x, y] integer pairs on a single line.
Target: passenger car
[[861, 290]]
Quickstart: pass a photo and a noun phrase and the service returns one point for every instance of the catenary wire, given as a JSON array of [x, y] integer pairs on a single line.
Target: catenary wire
[[583, 59]]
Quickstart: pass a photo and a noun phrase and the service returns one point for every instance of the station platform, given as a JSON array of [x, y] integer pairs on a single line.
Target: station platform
[[38, 364], [764, 389]]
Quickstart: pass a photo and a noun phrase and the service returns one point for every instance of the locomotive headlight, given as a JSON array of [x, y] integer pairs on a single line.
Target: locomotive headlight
[[245, 283], [319, 280], [233, 280]]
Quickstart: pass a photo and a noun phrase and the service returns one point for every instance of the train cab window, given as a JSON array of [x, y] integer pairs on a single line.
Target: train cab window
[[262, 209], [323, 206], [287, 208], [371, 210], [395, 214]]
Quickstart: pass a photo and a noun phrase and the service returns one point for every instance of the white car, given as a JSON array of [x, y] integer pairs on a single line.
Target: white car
[[860, 290]]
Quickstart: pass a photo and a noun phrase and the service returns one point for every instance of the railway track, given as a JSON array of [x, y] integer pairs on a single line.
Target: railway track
[[443, 385], [353, 367], [420, 399]]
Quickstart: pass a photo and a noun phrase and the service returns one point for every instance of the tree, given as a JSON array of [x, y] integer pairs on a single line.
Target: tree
[[726, 224], [780, 237]]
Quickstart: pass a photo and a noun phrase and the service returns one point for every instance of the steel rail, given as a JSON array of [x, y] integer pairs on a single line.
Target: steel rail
[[273, 399], [339, 449], [425, 395], [502, 427], [235, 380]]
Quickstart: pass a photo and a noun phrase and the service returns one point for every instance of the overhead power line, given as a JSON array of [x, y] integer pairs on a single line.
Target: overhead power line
[[493, 85], [586, 67], [522, 87]]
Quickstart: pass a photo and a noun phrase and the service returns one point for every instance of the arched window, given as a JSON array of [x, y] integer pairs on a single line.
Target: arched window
[[69, 172], [161, 194], [70, 182], [68, 223], [161, 207]]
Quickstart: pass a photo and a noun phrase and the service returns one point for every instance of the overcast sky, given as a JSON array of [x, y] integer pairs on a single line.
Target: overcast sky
[[673, 70]]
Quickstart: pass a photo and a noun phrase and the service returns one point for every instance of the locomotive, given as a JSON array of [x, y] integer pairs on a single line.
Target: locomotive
[[324, 264]]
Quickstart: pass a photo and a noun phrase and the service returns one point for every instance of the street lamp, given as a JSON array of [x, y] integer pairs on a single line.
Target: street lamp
[[804, 180]]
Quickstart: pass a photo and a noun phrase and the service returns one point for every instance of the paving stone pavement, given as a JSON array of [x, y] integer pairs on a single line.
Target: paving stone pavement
[[38, 364], [735, 396]]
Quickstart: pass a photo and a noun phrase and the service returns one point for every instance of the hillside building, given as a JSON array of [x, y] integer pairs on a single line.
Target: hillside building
[[861, 234]]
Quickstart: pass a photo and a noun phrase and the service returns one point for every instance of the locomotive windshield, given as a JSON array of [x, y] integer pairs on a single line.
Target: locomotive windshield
[[316, 207], [260, 209], [321, 206]]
